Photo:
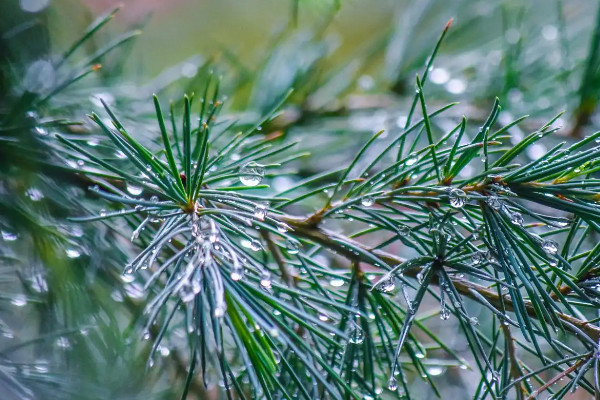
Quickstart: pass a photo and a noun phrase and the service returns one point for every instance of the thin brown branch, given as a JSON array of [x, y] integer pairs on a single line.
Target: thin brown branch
[[534, 395], [339, 243], [515, 370]]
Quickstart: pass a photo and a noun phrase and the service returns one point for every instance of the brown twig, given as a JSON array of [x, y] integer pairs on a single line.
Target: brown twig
[[515, 369], [335, 242], [557, 378]]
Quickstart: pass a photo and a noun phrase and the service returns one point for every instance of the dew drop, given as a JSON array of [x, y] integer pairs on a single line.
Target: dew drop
[[63, 343], [164, 351], [282, 227], [220, 310], [9, 236], [392, 383], [435, 371], [255, 245], [33, 6], [103, 213], [367, 201], [356, 336], [40, 130], [444, 314], [186, 292], [386, 285], [457, 198], [134, 190], [73, 253], [34, 194], [292, 246], [260, 211], [19, 300], [550, 246], [251, 174], [265, 279], [336, 282], [493, 202], [478, 257], [516, 218], [237, 274], [411, 160]]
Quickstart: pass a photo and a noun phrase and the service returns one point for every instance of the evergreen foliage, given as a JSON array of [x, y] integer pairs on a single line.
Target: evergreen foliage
[[160, 232]]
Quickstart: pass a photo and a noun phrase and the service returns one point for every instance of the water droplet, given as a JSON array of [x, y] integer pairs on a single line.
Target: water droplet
[[220, 310], [367, 201], [411, 160], [254, 245], [134, 190], [251, 174], [40, 130], [478, 257], [63, 343], [444, 314], [386, 285], [474, 321], [435, 371], [103, 213], [292, 246], [73, 253], [421, 276], [260, 211], [18, 300], [404, 230], [34, 194], [33, 6], [265, 279], [323, 317], [154, 199], [38, 283], [237, 274], [356, 334], [120, 154], [516, 218], [186, 292], [9, 236], [164, 351], [282, 227], [457, 198], [392, 383], [550, 246], [493, 201], [336, 282]]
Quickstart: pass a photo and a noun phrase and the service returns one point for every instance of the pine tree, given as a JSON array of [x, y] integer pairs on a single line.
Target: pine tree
[[177, 246]]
